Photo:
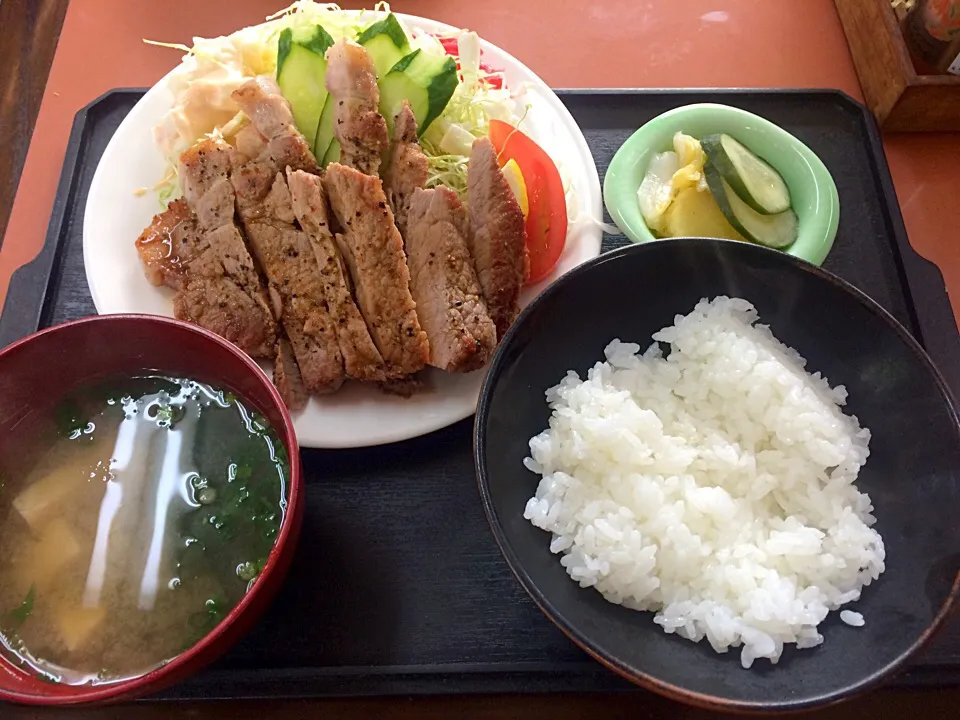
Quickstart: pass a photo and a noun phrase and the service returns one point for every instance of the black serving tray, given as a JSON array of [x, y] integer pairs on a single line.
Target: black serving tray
[[398, 586]]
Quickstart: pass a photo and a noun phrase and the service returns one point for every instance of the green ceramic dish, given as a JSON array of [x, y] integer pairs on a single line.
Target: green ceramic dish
[[812, 190]]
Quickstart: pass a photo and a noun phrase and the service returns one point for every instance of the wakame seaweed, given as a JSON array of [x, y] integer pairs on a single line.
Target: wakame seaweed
[[76, 411], [15, 619], [240, 487]]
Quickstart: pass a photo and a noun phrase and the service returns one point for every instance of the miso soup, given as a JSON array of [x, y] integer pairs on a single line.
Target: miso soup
[[135, 528]]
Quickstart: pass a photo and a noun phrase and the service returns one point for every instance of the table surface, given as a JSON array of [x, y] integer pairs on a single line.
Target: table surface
[[569, 43]]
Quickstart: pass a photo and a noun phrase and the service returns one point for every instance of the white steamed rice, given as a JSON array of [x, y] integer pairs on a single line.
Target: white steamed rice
[[713, 486]]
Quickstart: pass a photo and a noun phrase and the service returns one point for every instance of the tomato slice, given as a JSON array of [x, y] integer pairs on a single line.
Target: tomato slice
[[547, 217], [449, 44], [494, 79]]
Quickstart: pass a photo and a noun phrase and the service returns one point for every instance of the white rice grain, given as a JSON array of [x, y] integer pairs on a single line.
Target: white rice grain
[[713, 486], [852, 618]]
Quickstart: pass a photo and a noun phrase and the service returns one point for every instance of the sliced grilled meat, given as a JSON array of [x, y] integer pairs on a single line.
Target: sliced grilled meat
[[159, 245], [260, 98], [211, 299], [444, 284], [408, 169], [224, 261], [250, 142], [361, 358], [205, 179], [404, 387], [497, 240], [286, 257], [373, 251], [287, 377], [176, 253], [357, 123]]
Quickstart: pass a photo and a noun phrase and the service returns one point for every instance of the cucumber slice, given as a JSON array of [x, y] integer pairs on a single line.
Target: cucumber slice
[[324, 136], [776, 231], [301, 68], [386, 43], [426, 81], [332, 154], [754, 181]]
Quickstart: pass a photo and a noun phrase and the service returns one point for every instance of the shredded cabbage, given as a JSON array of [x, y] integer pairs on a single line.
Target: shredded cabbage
[[475, 102], [214, 67], [449, 170]]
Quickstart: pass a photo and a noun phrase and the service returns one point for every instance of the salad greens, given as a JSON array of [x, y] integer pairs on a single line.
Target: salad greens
[[214, 67]]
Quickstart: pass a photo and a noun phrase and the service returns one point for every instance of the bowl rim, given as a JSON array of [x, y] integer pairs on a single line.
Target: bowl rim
[[827, 192], [645, 680], [135, 686]]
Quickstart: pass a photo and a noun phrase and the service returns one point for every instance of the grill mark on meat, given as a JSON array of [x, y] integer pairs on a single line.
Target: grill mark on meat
[[407, 169], [286, 257], [373, 250], [362, 360], [496, 240], [358, 126], [261, 100], [444, 284]]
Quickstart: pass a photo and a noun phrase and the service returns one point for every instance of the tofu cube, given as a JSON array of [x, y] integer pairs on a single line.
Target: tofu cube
[[51, 553], [77, 623], [41, 499]]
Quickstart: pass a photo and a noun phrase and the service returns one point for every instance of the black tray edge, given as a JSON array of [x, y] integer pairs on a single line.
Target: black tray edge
[[400, 680], [29, 283], [939, 333], [421, 681]]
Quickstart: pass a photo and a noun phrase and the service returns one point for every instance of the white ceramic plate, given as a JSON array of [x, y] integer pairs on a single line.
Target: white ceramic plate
[[358, 415]]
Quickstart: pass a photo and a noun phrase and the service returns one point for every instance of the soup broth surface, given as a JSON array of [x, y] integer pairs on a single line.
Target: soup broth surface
[[140, 523]]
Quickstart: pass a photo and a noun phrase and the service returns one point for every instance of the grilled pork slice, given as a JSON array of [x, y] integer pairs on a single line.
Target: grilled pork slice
[[207, 295], [373, 251], [211, 299], [205, 179], [250, 142], [176, 253], [444, 284], [357, 123], [286, 257], [204, 176], [497, 239], [269, 112], [205, 171], [287, 377], [160, 245], [406, 386], [361, 358], [407, 169]]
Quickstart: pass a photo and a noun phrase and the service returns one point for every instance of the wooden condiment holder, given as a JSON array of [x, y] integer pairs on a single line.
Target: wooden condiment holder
[[900, 99]]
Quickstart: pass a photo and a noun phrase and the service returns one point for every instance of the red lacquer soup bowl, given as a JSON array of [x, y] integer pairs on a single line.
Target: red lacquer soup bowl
[[35, 375]]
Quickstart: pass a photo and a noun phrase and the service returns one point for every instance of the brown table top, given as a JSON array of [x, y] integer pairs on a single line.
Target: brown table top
[[569, 43]]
